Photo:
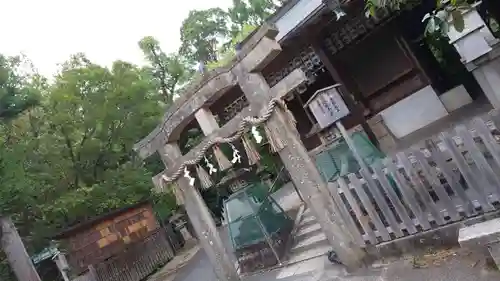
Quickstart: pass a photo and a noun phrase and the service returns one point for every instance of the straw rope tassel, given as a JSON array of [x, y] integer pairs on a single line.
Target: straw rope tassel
[[224, 163], [289, 117], [205, 180], [252, 153], [159, 183], [276, 136]]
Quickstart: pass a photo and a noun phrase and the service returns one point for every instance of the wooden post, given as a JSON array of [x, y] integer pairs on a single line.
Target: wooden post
[[351, 145], [19, 260]]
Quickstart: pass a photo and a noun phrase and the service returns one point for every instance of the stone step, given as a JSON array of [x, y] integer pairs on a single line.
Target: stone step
[[310, 270], [321, 249], [305, 231], [307, 220], [309, 242]]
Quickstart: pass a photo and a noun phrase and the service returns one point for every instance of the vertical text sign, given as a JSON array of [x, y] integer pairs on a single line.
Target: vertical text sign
[[327, 106]]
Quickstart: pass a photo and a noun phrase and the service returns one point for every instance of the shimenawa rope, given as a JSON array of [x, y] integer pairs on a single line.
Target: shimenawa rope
[[244, 124]]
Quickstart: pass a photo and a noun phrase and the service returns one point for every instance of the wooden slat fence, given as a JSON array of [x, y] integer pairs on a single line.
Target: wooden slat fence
[[446, 179], [138, 261], [85, 277]]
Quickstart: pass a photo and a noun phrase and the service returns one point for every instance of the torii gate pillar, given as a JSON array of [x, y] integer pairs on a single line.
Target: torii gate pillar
[[203, 224], [256, 54], [294, 156]]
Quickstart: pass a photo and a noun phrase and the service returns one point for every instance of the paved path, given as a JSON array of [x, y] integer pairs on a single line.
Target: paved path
[[168, 272], [198, 269], [450, 265]]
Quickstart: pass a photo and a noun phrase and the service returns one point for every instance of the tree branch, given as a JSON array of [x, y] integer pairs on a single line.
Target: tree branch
[[69, 146], [88, 134], [112, 131], [163, 77]]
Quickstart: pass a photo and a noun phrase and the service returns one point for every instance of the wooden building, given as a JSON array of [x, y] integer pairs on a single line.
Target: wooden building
[[120, 234], [394, 85], [391, 82]]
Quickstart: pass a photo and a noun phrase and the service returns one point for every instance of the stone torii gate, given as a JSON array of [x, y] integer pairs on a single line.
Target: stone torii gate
[[244, 72]]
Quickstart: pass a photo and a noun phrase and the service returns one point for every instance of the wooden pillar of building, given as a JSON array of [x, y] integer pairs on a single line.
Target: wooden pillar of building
[[203, 223], [13, 247], [295, 157]]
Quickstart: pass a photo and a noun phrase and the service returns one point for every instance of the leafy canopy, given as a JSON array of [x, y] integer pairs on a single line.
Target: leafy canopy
[[207, 35], [66, 145], [202, 33], [70, 158], [167, 71], [15, 95]]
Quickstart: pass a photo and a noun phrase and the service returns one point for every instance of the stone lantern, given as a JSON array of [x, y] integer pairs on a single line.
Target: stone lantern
[[475, 40], [480, 52]]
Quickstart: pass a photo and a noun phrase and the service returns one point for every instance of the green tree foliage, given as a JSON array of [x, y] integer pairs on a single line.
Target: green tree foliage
[[209, 36], [70, 158], [168, 71], [109, 110], [250, 13], [15, 94], [202, 33], [437, 22], [66, 145], [227, 53]]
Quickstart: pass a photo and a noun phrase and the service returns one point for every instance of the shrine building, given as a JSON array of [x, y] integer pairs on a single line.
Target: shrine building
[[397, 88]]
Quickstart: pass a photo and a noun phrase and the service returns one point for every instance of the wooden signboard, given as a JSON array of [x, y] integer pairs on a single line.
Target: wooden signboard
[[327, 106]]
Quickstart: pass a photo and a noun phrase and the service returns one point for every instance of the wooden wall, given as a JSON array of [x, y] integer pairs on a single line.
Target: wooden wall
[[138, 261], [109, 237]]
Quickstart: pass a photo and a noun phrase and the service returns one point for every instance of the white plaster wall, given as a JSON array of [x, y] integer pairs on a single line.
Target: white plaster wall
[[414, 112], [455, 98]]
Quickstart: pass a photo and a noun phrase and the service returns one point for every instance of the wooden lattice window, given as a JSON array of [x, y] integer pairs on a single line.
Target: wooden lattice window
[[233, 109], [229, 105]]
